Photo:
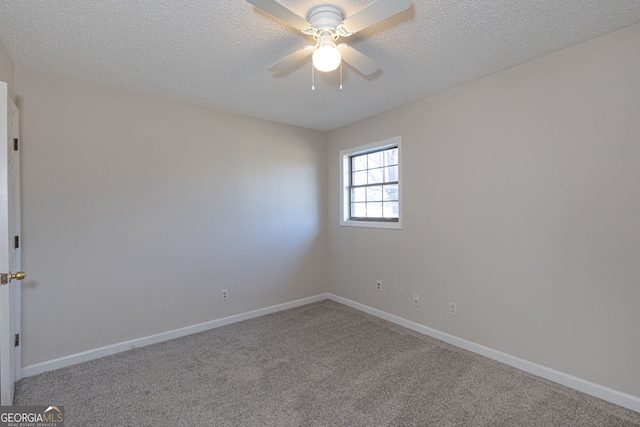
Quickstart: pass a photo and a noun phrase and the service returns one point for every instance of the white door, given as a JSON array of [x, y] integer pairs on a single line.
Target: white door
[[9, 247]]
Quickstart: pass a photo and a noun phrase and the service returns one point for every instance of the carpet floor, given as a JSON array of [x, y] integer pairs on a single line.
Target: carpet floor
[[322, 364]]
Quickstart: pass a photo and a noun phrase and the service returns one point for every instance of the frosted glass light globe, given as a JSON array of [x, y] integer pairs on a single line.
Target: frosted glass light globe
[[326, 58]]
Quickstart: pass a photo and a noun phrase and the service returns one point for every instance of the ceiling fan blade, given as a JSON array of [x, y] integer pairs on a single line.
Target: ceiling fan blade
[[291, 60], [357, 60], [373, 13], [281, 12]]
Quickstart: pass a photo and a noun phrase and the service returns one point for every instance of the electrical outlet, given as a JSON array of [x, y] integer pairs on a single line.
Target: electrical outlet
[[452, 309], [379, 285], [416, 299], [224, 295]]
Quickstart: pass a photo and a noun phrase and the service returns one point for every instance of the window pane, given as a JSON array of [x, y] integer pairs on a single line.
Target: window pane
[[375, 160], [374, 194], [358, 210], [391, 174], [360, 178], [390, 209], [390, 192], [376, 176], [374, 210], [358, 163], [358, 194], [391, 157]]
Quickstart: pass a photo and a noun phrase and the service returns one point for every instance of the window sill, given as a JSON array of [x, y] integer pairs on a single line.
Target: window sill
[[372, 224]]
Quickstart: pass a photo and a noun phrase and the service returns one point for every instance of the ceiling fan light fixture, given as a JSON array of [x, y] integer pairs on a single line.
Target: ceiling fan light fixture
[[326, 58], [326, 24]]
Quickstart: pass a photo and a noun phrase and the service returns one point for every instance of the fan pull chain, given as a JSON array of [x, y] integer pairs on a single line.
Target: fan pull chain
[[313, 77], [340, 75]]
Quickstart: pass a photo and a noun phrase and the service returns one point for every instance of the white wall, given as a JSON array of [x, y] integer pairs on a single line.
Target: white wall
[[137, 211], [522, 205], [7, 71]]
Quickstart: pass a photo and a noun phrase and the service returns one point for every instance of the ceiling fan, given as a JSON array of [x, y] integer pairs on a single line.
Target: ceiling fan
[[326, 24]]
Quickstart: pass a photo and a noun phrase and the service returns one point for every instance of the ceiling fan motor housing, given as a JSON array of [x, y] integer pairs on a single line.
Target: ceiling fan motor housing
[[326, 18]]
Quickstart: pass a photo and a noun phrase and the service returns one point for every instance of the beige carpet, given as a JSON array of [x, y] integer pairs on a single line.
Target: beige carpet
[[323, 364]]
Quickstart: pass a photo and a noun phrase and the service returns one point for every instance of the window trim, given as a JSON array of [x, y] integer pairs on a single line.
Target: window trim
[[345, 156]]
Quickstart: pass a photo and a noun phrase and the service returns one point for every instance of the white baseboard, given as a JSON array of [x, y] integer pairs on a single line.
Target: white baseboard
[[96, 353], [619, 398]]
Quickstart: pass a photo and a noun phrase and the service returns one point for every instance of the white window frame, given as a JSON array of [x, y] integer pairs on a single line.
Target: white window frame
[[345, 209]]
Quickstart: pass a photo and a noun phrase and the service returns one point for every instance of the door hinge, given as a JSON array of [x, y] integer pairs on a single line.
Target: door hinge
[[17, 342], [15, 144], [16, 242]]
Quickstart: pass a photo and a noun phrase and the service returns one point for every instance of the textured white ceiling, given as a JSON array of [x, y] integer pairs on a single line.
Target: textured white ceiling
[[216, 53]]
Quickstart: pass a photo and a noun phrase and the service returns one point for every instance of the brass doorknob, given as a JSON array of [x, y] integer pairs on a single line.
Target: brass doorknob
[[6, 278], [20, 275]]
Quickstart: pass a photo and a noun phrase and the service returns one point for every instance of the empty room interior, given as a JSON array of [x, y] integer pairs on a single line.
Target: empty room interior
[[177, 180]]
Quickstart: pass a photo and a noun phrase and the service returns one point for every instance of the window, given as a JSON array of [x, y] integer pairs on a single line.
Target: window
[[371, 185]]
